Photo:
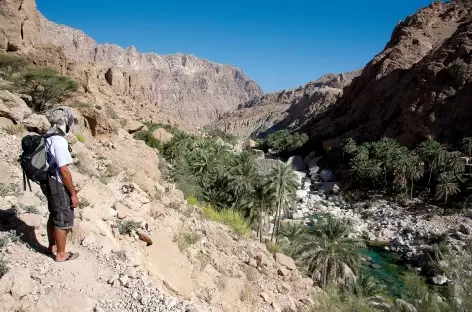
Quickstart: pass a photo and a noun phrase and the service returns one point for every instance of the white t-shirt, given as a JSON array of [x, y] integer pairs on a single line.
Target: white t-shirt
[[59, 149]]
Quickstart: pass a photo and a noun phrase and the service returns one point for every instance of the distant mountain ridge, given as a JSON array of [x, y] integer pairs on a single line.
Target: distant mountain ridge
[[286, 108], [136, 85]]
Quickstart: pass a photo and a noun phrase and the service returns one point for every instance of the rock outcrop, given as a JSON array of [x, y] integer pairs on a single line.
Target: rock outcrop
[[419, 86], [287, 108], [130, 84]]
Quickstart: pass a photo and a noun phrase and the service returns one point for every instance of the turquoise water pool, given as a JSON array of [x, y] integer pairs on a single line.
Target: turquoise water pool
[[391, 267]]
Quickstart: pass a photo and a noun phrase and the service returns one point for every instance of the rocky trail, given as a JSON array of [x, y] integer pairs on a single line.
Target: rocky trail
[[142, 246]]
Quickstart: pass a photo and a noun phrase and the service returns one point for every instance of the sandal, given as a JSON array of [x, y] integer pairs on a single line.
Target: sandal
[[72, 256]]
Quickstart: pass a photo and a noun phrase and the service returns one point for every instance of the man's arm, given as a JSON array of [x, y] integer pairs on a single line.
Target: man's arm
[[67, 181]]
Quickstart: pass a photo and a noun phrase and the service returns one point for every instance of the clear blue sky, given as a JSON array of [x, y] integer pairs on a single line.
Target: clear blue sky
[[279, 44]]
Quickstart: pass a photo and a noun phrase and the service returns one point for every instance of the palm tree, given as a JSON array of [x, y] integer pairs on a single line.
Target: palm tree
[[283, 186], [414, 170], [447, 186], [328, 248], [243, 176], [432, 153], [293, 232], [257, 206], [454, 162], [367, 288]]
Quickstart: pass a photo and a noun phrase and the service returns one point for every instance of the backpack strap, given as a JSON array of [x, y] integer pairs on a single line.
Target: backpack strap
[[26, 180]]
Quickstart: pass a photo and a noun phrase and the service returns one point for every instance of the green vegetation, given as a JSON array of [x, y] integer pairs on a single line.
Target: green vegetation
[[231, 218], [386, 165], [3, 268], [31, 209], [45, 86], [215, 133], [80, 137], [83, 203], [10, 64], [4, 241], [186, 239], [283, 141], [127, 226]]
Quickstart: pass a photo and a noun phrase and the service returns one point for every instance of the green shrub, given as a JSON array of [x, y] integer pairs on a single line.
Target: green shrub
[[80, 137], [149, 139], [98, 107], [111, 171], [285, 140], [14, 237], [3, 268], [191, 200], [273, 248], [45, 86], [83, 203], [4, 241], [215, 133], [31, 209], [186, 239], [231, 218], [10, 64], [127, 226], [8, 189]]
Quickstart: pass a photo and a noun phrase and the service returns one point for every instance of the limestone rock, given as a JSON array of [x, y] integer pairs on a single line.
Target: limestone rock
[[18, 282], [121, 210], [60, 300], [439, 280], [37, 123], [132, 126], [297, 163], [249, 143], [5, 122], [286, 261], [13, 107], [162, 135]]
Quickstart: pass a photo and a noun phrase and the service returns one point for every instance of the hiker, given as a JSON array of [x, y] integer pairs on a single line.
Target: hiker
[[58, 187]]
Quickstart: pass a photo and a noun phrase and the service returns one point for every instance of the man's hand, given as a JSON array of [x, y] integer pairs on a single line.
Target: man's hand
[[75, 201]]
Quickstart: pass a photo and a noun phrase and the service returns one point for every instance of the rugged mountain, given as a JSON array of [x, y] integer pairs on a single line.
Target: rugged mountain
[[130, 83], [287, 108], [420, 85]]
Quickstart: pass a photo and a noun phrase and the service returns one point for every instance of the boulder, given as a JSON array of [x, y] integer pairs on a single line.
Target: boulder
[[330, 187], [162, 135], [286, 261], [314, 161], [13, 107], [18, 282], [439, 280], [259, 154], [297, 163], [249, 143], [132, 126], [301, 194], [37, 123], [121, 210], [404, 306], [300, 176], [5, 122], [326, 175], [60, 300], [309, 157], [466, 229]]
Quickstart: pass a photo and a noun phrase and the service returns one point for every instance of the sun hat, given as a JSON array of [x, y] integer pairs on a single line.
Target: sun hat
[[61, 117]]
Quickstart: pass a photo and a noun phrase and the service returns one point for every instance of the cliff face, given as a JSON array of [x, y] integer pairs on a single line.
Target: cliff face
[[133, 84], [419, 86], [288, 108]]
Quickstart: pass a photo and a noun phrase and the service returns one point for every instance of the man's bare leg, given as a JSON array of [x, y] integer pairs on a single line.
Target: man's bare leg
[[61, 237], [51, 239]]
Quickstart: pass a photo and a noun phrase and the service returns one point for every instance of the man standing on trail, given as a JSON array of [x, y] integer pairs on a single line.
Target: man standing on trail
[[59, 189]]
